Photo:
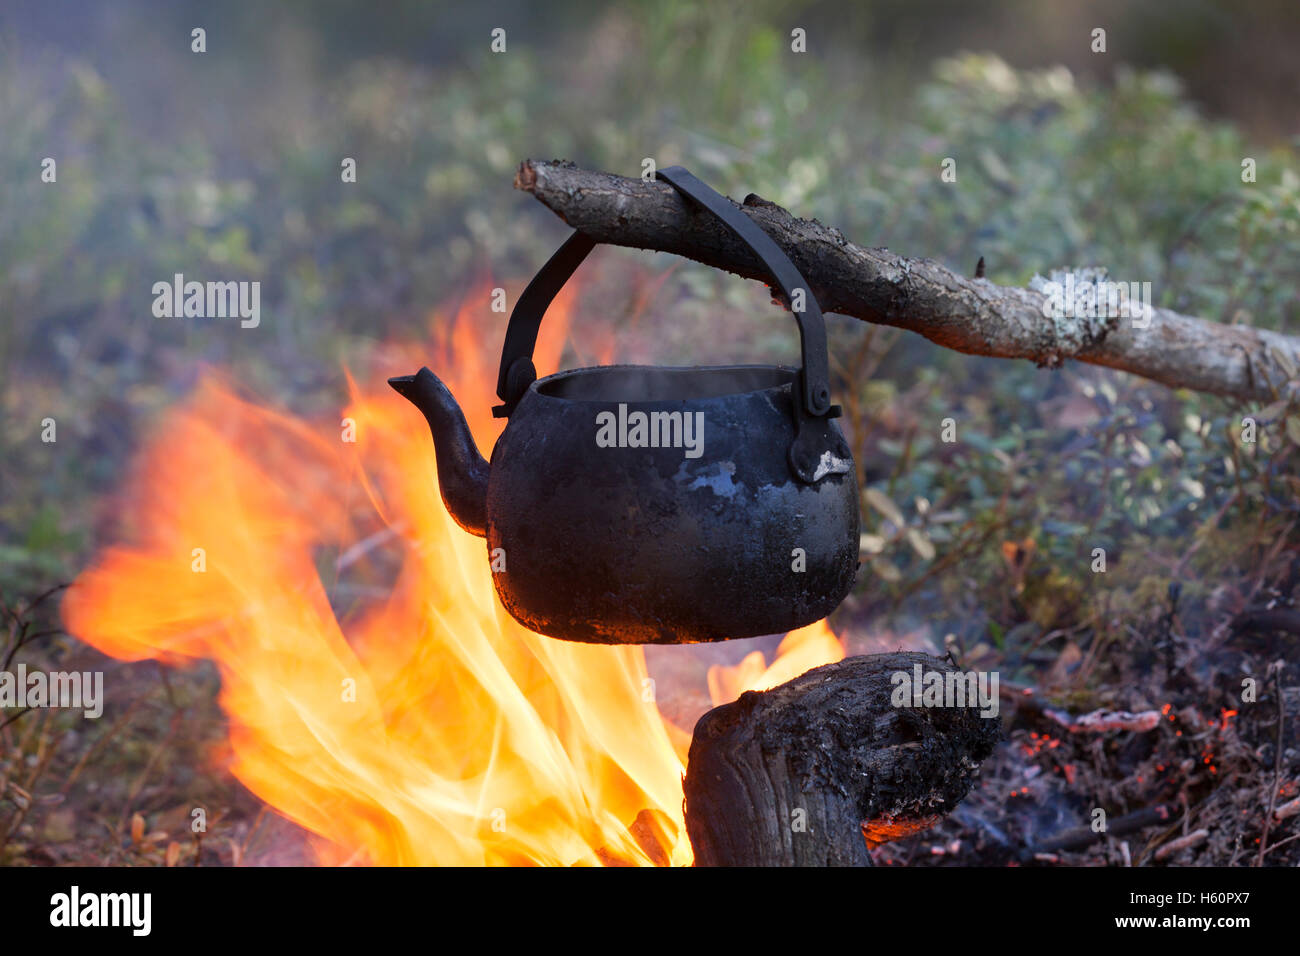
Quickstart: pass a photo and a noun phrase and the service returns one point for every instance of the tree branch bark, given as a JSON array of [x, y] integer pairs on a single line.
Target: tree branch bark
[[965, 314]]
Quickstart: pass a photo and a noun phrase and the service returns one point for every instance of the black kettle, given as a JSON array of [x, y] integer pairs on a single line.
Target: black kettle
[[651, 505]]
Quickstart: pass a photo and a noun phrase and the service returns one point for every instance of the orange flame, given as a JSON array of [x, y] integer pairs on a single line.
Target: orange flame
[[800, 651], [380, 697]]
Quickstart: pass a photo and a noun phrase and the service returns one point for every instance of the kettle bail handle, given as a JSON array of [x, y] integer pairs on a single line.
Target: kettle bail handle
[[815, 378], [517, 373]]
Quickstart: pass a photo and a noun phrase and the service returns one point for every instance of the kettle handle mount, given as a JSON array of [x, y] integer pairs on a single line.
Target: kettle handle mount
[[517, 372]]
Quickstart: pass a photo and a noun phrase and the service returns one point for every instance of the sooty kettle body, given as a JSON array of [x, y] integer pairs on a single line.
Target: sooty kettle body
[[653, 505]]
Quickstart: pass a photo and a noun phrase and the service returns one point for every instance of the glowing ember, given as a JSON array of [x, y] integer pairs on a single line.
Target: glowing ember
[[886, 829], [426, 727]]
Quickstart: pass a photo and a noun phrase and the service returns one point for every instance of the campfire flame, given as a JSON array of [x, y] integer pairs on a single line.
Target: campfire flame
[[800, 651], [377, 693]]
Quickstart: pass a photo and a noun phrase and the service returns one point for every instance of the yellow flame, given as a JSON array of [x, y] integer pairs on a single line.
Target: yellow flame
[[799, 651], [416, 722]]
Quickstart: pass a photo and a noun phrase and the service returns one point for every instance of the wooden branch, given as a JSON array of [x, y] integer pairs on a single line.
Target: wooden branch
[[1195, 838], [1285, 620], [1081, 837], [830, 744], [970, 315]]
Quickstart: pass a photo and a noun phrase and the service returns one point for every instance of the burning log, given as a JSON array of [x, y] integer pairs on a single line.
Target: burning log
[[1288, 809], [818, 770], [1100, 721], [968, 315]]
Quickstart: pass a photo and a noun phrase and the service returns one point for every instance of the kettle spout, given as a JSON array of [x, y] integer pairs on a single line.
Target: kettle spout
[[462, 471]]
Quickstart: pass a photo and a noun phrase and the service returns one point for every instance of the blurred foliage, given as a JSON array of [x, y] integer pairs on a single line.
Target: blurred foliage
[[1050, 172]]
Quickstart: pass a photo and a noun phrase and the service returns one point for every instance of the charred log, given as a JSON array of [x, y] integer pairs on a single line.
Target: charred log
[[814, 772]]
